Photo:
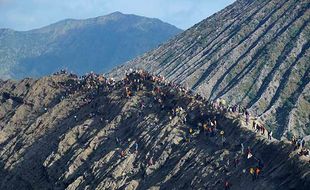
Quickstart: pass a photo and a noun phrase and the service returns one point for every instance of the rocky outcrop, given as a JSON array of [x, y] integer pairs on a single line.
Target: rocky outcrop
[[254, 53], [61, 132]]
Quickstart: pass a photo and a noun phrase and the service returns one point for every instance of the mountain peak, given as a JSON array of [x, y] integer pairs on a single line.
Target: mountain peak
[[72, 37], [112, 15], [116, 13], [119, 16]]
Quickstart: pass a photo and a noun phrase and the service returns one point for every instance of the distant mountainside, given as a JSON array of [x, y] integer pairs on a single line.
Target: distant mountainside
[[254, 53], [95, 44]]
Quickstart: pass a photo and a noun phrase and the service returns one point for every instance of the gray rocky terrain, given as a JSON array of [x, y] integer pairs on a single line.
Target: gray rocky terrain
[[65, 132], [254, 53]]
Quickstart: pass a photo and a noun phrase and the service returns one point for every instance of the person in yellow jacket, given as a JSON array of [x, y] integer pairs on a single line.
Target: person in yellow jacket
[[190, 131], [252, 172]]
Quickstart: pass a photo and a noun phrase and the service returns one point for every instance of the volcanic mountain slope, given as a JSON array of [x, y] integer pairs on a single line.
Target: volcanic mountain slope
[[60, 132], [254, 53], [95, 44]]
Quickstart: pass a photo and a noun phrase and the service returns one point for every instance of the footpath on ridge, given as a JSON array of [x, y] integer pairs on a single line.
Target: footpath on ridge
[[91, 132]]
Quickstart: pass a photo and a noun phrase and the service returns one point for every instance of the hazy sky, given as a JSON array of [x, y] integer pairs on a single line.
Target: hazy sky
[[29, 14]]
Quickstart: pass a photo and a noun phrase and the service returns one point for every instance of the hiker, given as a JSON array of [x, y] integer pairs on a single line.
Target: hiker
[[249, 153], [205, 128], [269, 135], [298, 143], [294, 140], [227, 185], [128, 92], [257, 128], [214, 122], [242, 148], [234, 108], [254, 125], [247, 112], [223, 138], [302, 143], [222, 133], [257, 172], [191, 131], [222, 103], [75, 118], [123, 153], [304, 152], [142, 105], [136, 147], [117, 141], [262, 130], [151, 162], [252, 173]]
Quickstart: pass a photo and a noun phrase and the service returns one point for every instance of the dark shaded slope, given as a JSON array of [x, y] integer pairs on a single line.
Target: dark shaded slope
[[252, 53], [44, 146]]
